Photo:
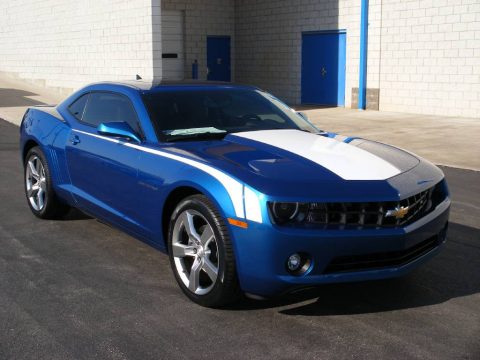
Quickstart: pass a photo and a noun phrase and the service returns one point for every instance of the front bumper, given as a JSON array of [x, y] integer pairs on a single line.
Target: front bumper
[[262, 251]]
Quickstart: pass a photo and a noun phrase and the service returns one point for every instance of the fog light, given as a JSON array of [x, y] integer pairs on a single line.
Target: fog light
[[294, 262], [299, 264]]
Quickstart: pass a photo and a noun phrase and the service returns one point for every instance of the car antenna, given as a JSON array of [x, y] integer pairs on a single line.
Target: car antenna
[[138, 77]]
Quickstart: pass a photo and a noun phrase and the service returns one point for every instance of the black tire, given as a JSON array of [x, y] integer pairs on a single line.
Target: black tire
[[225, 290], [53, 208]]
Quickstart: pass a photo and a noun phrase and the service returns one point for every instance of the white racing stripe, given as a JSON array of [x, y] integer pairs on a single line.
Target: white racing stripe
[[347, 161], [232, 186], [253, 211]]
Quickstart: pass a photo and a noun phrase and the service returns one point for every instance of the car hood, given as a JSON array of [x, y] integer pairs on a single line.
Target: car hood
[[300, 163]]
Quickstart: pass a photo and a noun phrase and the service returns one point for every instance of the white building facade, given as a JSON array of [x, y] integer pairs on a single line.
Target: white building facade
[[422, 56]]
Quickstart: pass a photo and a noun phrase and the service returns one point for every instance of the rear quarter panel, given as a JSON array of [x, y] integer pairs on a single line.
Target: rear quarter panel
[[50, 132]]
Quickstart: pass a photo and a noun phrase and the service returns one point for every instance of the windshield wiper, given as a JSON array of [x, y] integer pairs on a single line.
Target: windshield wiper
[[197, 136], [319, 132]]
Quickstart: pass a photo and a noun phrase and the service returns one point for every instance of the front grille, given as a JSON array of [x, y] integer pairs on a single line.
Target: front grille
[[367, 214], [381, 260], [360, 215]]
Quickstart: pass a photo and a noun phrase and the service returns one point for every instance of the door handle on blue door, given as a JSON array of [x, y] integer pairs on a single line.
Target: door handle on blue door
[[74, 139]]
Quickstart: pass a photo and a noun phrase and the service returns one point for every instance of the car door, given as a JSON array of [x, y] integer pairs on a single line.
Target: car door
[[102, 169]]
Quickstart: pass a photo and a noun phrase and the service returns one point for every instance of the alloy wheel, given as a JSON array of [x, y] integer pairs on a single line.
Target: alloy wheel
[[36, 183], [195, 252]]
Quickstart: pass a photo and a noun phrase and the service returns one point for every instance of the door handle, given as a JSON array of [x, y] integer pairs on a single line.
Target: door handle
[[74, 139]]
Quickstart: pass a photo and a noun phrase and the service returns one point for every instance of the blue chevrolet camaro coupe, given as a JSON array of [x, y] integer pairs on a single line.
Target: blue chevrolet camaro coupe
[[243, 193]]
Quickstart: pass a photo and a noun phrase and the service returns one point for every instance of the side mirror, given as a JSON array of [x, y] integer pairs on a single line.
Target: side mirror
[[118, 129], [302, 115]]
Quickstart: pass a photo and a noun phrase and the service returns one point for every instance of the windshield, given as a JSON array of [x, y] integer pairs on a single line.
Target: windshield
[[196, 113]]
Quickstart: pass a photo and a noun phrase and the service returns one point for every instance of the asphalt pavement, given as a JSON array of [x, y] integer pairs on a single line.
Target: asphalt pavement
[[78, 289]]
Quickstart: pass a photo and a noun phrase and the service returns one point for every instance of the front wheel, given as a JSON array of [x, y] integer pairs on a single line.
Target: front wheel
[[201, 253]]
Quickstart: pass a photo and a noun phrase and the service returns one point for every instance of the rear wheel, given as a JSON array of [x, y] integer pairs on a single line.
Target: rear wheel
[[41, 197], [201, 253]]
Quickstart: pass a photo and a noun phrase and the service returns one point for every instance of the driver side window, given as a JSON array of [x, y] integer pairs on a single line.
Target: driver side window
[[110, 107]]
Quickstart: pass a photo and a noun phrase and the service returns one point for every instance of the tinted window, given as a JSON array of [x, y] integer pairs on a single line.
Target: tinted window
[[76, 108], [226, 110], [109, 107]]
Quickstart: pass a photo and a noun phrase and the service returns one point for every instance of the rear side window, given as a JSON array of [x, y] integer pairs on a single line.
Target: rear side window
[[77, 107], [105, 107]]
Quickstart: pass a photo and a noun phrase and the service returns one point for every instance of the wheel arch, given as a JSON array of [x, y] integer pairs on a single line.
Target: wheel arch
[[175, 196], [30, 144], [171, 201]]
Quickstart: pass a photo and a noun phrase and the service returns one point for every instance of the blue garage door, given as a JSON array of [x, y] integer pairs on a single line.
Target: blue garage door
[[218, 58], [323, 68]]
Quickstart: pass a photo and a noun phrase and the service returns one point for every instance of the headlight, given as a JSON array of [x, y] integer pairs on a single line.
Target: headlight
[[283, 212]]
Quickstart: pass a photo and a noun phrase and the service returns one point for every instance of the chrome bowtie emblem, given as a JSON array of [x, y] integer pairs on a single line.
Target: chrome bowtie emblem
[[399, 212]]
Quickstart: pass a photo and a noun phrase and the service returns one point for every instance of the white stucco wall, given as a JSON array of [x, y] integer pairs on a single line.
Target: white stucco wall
[[65, 44]]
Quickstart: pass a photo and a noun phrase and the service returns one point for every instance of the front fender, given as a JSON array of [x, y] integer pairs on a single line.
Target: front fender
[[207, 185], [161, 172]]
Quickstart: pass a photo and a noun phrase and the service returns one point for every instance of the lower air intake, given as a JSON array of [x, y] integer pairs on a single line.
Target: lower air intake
[[381, 260]]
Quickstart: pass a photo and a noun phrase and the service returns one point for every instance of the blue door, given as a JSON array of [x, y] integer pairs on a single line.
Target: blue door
[[103, 172], [104, 176], [218, 58], [323, 68]]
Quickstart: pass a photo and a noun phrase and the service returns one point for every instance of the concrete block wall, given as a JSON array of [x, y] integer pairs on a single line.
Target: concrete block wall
[[65, 44], [424, 55], [202, 18], [156, 39], [269, 36]]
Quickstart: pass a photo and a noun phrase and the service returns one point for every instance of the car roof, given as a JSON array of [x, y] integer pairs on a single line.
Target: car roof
[[152, 86]]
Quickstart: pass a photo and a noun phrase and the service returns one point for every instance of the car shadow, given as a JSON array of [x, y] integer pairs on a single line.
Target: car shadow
[[75, 214], [16, 97], [451, 274]]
